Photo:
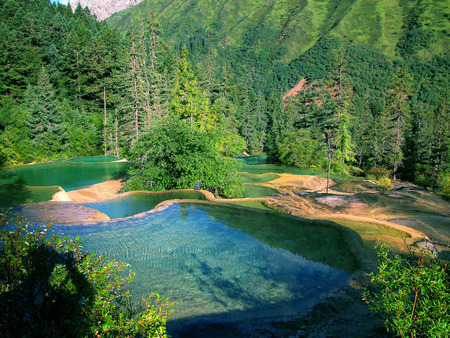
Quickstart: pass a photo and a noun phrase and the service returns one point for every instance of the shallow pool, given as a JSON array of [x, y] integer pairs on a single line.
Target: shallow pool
[[138, 202], [255, 191], [70, 175], [224, 263]]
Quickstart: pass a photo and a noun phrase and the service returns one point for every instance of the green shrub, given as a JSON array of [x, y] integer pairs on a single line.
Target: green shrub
[[384, 183], [51, 288], [375, 173], [444, 185], [172, 155], [411, 293]]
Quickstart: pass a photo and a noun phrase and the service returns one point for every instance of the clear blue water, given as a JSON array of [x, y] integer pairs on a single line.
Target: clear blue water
[[190, 254], [138, 202]]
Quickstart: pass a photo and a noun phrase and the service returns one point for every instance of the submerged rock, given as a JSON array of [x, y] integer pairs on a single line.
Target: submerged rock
[[59, 212]]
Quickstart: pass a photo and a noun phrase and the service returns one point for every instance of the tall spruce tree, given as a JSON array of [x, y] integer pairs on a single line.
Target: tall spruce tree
[[45, 121], [189, 101], [398, 113]]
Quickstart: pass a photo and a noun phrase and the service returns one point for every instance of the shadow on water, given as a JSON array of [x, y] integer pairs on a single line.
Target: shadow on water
[[212, 279], [300, 236], [255, 307]]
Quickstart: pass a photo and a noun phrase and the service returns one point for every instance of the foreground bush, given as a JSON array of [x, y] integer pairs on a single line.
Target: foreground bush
[[444, 185], [51, 288], [411, 294]]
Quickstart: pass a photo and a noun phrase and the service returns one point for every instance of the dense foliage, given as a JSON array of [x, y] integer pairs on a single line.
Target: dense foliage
[[176, 156], [412, 294], [72, 86], [51, 288]]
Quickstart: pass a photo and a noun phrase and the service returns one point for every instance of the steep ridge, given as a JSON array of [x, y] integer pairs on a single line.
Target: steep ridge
[[289, 27], [104, 8]]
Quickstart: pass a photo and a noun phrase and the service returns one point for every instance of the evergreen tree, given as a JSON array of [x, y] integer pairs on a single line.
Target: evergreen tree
[[45, 121], [398, 113], [189, 101]]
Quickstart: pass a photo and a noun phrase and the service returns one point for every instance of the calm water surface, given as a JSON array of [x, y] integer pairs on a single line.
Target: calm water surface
[[138, 202], [191, 254], [70, 175]]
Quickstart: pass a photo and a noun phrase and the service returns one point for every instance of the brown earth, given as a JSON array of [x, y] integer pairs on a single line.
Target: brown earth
[[96, 193]]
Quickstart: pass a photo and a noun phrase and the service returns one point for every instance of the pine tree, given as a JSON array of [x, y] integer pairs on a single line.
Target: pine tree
[[189, 101], [45, 121], [398, 113]]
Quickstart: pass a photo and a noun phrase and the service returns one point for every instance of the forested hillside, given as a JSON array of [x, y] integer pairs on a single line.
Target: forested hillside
[[374, 99]]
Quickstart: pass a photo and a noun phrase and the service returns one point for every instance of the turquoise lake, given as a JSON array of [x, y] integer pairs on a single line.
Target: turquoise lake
[[224, 263]]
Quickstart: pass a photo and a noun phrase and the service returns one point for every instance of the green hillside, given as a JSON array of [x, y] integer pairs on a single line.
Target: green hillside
[[288, 28]]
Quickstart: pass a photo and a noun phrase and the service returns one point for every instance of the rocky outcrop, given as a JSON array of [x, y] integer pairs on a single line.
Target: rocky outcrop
[[104, 8]]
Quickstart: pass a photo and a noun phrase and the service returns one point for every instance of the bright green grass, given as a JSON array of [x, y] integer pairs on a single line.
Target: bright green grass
[[289, 27]]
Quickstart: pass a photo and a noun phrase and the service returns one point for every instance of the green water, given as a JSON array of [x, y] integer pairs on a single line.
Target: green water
[[250, 204], [257, 165], [253, 160], [138, 202], [224, 263], [259, 169], [67, 174], [255, 191], [371, 229], [251, 178], [13, 194], [94, 159]]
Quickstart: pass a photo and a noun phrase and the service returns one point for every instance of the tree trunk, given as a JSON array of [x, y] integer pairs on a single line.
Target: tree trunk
[[116, 130], [329, 162], [136, 100], [105, 121]]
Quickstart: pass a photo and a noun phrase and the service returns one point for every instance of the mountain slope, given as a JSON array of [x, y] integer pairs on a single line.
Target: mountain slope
[[291, 27], [104, 8]]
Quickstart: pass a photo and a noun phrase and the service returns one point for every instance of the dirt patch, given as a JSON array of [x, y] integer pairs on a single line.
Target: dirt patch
[[290, 182], [335, 201], [304, 196]]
